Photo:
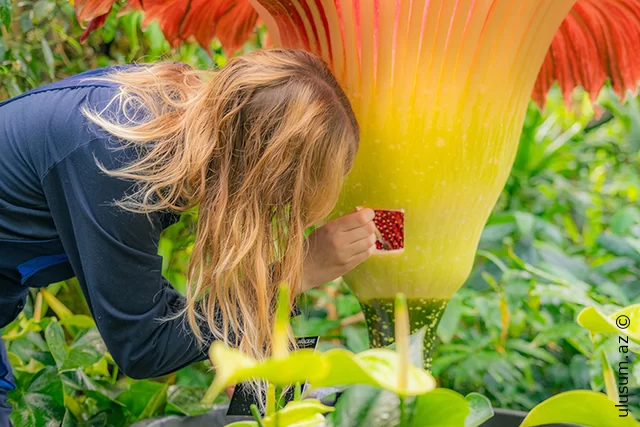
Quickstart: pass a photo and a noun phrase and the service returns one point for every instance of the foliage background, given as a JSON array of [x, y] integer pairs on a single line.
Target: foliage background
[[564, 235]]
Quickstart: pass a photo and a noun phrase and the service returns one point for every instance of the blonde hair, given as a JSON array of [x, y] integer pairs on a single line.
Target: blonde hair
[[261, 147]]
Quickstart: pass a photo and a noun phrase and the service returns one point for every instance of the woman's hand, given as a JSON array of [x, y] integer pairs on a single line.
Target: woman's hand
[[338, 246]]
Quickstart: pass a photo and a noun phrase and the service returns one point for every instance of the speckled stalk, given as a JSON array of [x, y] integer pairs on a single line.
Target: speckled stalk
[[422, 312]]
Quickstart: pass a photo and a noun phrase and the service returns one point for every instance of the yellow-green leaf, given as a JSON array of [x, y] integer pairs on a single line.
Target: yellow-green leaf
[[305, 413], [439, 408], [78, 320], [376, 367], [232, 367], [623, 322], [586, 408]]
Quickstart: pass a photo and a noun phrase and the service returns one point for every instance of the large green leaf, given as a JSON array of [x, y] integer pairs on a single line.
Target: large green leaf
[[40, 402], [140, 395], [85, 351], [480, 410], [586, 408], [440, 408], [622, 322], [157, 402], [376, 367]]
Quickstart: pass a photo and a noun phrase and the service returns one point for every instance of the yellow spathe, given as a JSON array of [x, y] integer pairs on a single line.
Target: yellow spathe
[[440, 89]]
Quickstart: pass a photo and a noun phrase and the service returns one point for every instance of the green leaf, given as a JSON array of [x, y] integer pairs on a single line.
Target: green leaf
[[54, 336], [356, 338], [79, 321], [586, 408], [480, 410], [440, 408], [364, 406], [304, 413], [186, 401], [157, 401], [624, 219], [376, 367], [48, 57], [448, 326], [86, 350], [623, 322], [139, 394], [5, 13], [41, 402]]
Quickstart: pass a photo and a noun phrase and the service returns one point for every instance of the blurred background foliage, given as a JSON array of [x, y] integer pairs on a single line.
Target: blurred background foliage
[[565, 234]]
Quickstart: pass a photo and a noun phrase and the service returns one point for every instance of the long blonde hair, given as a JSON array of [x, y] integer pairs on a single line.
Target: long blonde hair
[[261, 147]]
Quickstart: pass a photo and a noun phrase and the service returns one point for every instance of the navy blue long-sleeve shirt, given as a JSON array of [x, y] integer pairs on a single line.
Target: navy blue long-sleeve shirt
[[58, 220]]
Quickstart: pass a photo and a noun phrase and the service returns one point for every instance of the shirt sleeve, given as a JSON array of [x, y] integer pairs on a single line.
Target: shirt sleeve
[[114, 254]]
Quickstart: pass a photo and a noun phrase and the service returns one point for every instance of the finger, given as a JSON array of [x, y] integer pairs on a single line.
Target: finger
[[357, 234], [363, 244], [361, 257], [229, 391], [356, 219]]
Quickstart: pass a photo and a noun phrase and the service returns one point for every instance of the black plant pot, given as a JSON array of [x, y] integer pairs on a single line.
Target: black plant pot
[[507, 418], [217, 418]]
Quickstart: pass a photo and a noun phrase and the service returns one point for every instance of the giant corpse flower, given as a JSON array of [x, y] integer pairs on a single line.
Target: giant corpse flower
[[440, 88]]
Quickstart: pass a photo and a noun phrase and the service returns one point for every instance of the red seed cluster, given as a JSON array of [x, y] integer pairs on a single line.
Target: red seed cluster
[[391, 227]]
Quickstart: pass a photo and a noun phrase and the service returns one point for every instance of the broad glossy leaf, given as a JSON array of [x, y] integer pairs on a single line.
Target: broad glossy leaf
[[86, 350], [440, 408], [139, 394], [376, 367], [157, 401], [586, 408], [40, 402], [235, 367], [623, 322], [480, 410], [56, 342]]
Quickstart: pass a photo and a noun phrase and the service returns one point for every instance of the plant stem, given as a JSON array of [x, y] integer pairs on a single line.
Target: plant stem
[[271, 399], [297, 394], [256, 415], [37, 311], [403, 412]]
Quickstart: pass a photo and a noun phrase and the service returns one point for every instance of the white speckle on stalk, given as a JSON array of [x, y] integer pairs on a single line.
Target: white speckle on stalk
[[443, 183], [440, 142], [377, 140]]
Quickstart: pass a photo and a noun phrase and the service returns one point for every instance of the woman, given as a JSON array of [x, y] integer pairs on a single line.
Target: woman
[[95, 166]]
